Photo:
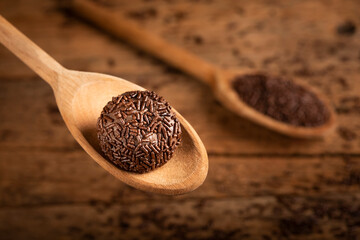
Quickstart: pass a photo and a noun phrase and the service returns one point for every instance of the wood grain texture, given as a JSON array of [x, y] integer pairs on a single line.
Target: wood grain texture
[[34, 178], [330, 217], [260, 185]]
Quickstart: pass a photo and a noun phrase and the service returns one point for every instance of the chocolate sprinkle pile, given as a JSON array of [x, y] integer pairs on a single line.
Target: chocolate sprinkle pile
[[282, 100], [138, 132]]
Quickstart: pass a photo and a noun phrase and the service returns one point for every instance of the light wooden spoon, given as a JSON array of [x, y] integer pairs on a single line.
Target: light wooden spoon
[[220, 80], [82, 95]]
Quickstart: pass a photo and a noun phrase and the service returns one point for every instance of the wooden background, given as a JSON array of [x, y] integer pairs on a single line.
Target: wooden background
[[260, 185]]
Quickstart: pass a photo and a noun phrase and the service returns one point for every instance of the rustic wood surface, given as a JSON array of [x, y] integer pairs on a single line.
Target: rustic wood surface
[[260, 185]]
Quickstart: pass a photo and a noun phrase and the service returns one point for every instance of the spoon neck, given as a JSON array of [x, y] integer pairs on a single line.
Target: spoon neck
[[201, 70], [31, 54]]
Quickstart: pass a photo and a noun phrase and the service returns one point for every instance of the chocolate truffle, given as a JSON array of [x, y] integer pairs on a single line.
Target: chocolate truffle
[[282, 100], [138, 132]]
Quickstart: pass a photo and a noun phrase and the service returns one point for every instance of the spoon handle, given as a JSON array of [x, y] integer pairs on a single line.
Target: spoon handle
[[131, 32], [28, 52]]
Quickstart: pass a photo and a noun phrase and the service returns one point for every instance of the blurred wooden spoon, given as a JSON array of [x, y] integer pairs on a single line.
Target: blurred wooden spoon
[[220, 80]]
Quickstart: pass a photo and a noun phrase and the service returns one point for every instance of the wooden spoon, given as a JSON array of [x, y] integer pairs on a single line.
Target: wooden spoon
[[220, 80], [82, 95]]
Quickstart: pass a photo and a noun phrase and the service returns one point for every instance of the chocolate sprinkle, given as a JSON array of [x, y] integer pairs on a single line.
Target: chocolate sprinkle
[[282, 100], [138, 132], [347, 28]]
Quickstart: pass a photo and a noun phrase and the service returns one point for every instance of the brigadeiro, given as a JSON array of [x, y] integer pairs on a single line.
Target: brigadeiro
[[138, 131]]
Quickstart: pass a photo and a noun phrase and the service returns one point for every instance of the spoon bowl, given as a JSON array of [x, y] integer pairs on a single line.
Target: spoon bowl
[[81, 97], [184, 172], [223, 89]]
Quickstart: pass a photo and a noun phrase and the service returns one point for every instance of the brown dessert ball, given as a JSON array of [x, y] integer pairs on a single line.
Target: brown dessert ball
[[138, 132]]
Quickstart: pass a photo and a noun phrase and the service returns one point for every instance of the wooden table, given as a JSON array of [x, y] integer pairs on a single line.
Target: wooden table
[[260, 185]]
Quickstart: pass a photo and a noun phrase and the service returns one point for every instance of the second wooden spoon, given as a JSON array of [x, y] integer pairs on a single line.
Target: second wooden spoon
[[220, 80]]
